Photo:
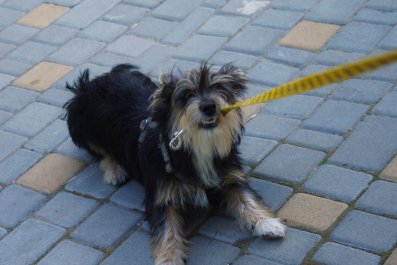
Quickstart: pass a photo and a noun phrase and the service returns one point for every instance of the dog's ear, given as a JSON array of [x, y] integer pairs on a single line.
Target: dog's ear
[[160, 100], [236, 76]]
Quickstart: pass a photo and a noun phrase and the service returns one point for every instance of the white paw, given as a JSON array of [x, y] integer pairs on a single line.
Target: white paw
[[270, 228], [115, 177]]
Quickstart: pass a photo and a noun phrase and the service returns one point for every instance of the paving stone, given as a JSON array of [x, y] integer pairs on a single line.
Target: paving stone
[[110, 59], [358, 37], [246, 8], [16, 164], [4, 116], [376, 16], [3, 232], [273, 195], [5, 48], [333, 57], [103, 31], [67, 210], [79, 17], [291, 250], [130, 195], [29, 241], [175, 9], [335, 116], [333, 11], [390, 172], [69, 3], [392, 258], [386, 73], [361, 91], [333, 254], [134, 251], [49, 138], [68, 148], [314, 140], [76, 254], [387, 105], [299, 5], [106, 226], [366, 231], [214, 3], [147, 3], [379, 198], [253, 39], [277, 73], [337, 183], [309, 35], [177, 65], [270, 127], [194, 49], [289, 163], [231, 24], [389, 42], [31, 52], [382, 4], [56, 35], [153, 56], [241, 60], [5, 80], [42, 76], [281, 19], [130, 45], [253, 150], [43, 15], [14, 98], [311, 212], [90, 182], [56, 97], [16, 203], [380, 145], [186, 28], [76, 51], [250, 260], [293, 57], [52, 172], [17, 34], [32, 119], [8, 16], [125, 14], [153, 28], [9, 143], [298, 107], [208, 251], [14, 68], [22, 5], [223, 229]]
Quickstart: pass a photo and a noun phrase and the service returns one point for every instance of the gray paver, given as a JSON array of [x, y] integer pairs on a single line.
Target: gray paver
[[387, 105], [76, 51], [337, 183], [177, 65], [66, 209], [8, 16], [253, 39], [69, 3], [4, 116], [16, 203], [214, 3], [154, 28], [3, 232], [17, 33], [270, 127], [70, 253], [239, 7], [254, 149], [70, 149], [380, 198], [382, 4], [14, 98], [56, 97], [130, 195], [314, 140], [298, 107], [250, 260], [333, 57], [273, 195], [334, 254], [154, 55], [103, 31], [5, 80], [28, 242], [106, 226], [334, 11], [293, 57], [9, 143], [366, 231], [335, 116], [32, 119], [238, 59], [230, 25], [376, 16], [5, 48], [146, 3], [13, 67], [175, 9], [16, 164], [281, 19], [385, 73], [125, 14], [389, 42], [86, 12], [289, 163], [31, 52], [130, 45], [22, 5], [300, 5], [90, 182], [110, 59], [291, 250], [55, 34], [272, 74], [380, 145]]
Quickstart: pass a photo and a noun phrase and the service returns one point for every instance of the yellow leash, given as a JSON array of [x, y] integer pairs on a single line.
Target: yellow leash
[[320, 79]]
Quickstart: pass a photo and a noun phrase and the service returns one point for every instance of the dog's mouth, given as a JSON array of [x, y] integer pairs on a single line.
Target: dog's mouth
[[208, 122]]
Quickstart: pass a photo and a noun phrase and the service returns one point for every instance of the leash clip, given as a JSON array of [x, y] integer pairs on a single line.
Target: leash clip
[[176, 144]]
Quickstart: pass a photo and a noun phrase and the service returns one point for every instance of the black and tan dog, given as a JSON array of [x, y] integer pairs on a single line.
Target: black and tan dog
[[126, 120]]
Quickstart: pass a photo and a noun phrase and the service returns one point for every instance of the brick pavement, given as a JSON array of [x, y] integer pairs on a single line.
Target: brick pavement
[[325, 162]]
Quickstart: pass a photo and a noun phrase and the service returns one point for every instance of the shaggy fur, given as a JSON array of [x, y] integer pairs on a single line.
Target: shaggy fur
[[104, 117]]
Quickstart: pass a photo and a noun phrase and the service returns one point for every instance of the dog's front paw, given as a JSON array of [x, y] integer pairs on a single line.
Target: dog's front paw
[[270, 228]]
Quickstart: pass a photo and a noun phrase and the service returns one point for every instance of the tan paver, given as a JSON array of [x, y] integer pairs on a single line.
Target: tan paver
[[392, 260], [43, 15], [390, 172], [309, 35], [311, 212], [49, 174], [42, 76]]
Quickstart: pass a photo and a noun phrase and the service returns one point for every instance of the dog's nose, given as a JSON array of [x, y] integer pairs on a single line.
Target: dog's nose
[[208, 107]]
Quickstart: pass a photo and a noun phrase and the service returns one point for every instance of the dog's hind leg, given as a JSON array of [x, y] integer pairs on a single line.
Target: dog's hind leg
[[113, 173], [246, 206]]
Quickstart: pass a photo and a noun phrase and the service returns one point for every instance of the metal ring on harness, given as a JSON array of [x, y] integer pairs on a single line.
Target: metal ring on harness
[[176, 144]]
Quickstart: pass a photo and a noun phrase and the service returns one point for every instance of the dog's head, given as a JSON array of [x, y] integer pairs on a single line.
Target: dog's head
[[193, 102]]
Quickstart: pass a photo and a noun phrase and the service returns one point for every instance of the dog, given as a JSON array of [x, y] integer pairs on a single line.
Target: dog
[[174, 140]]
